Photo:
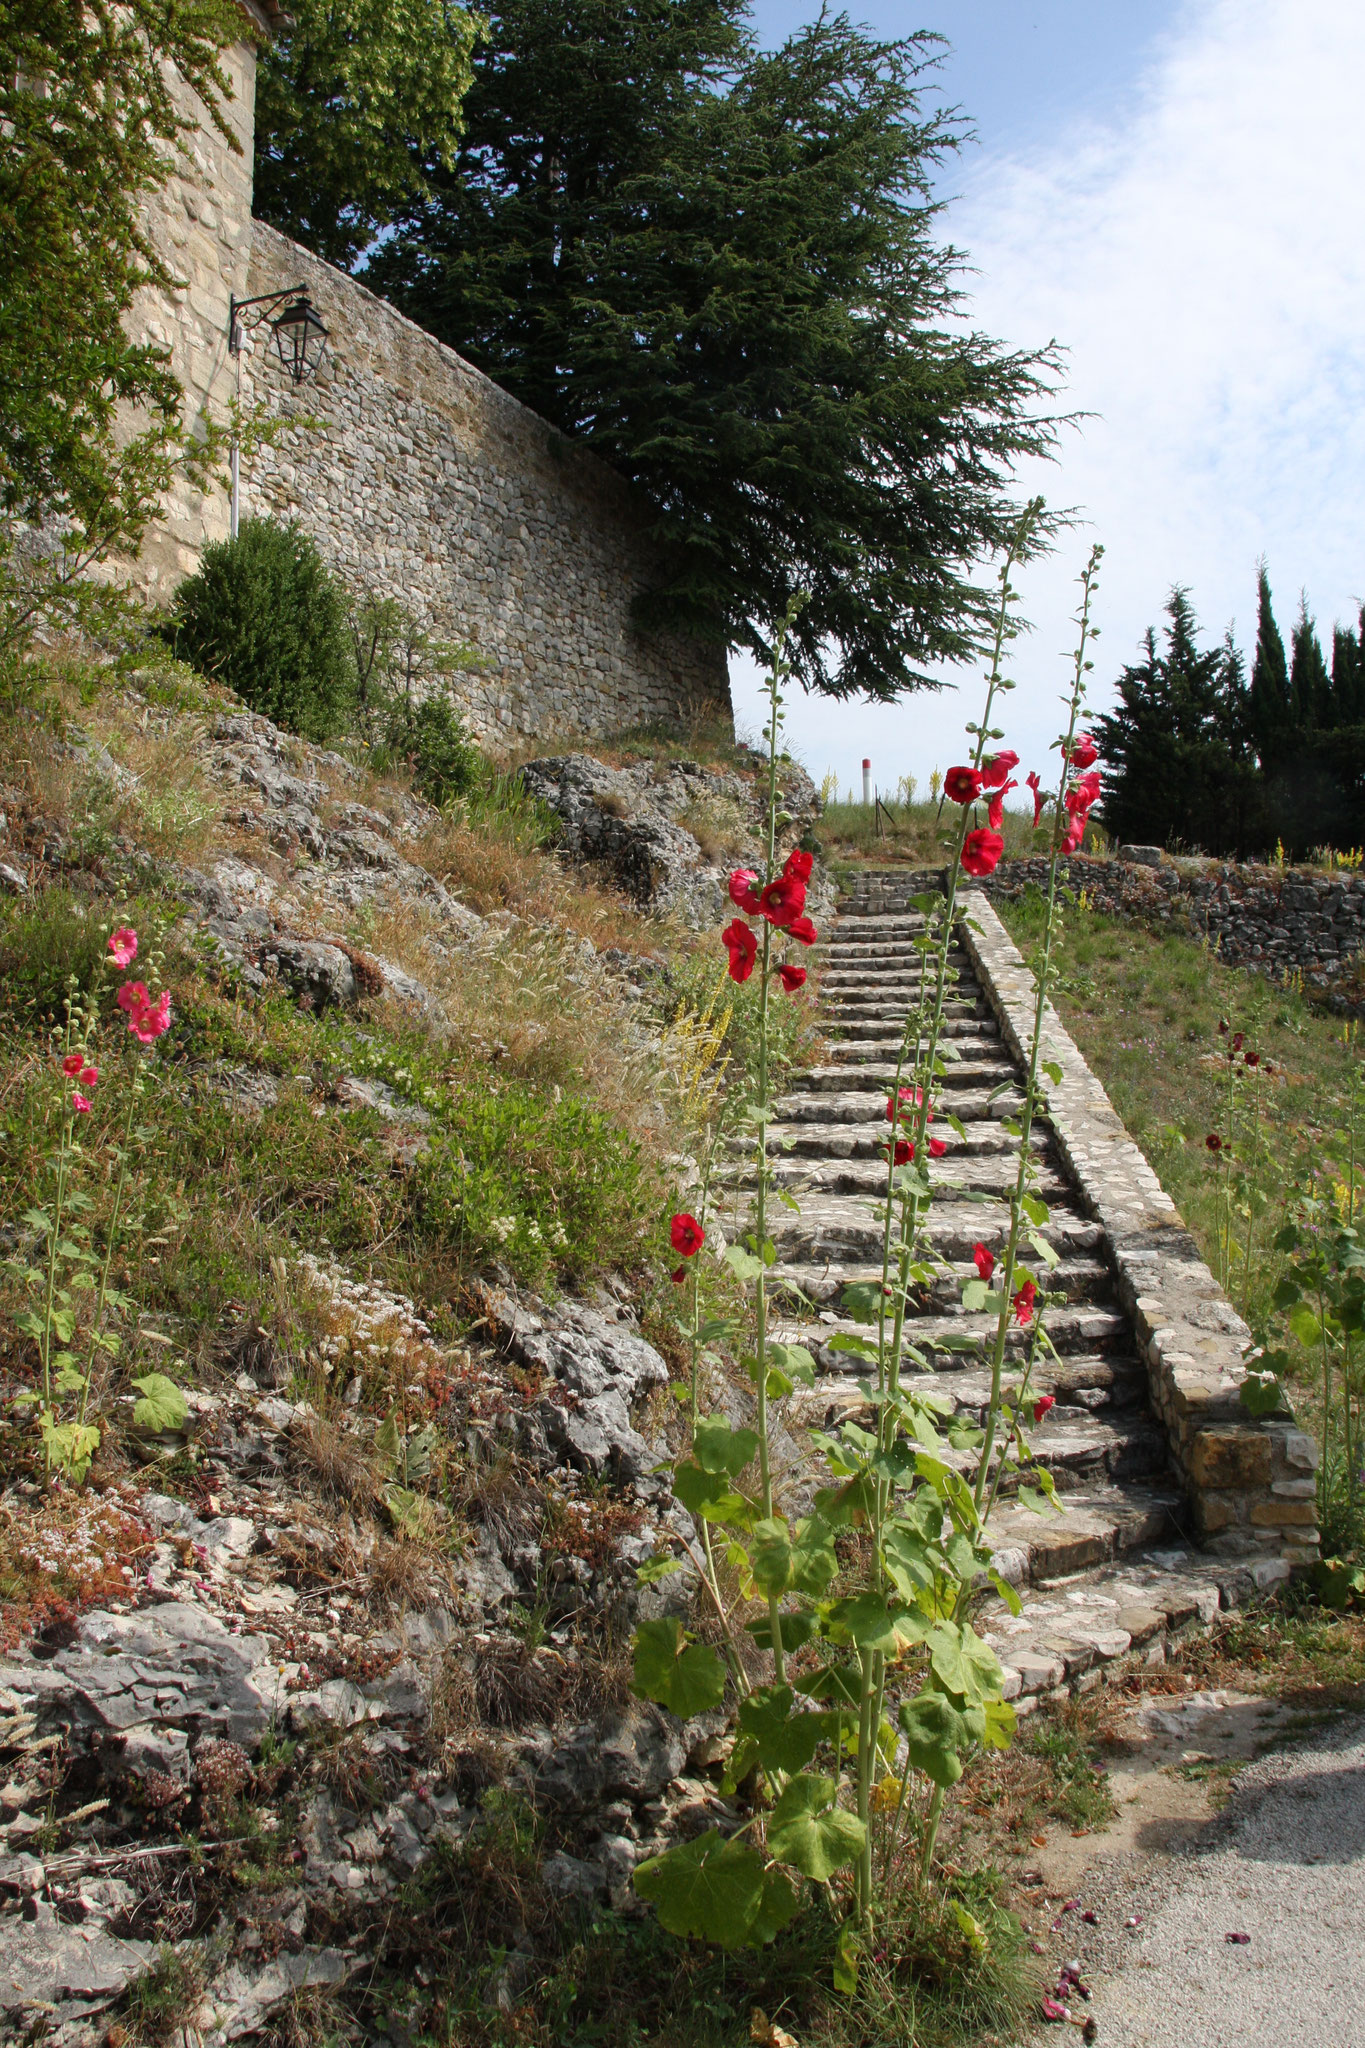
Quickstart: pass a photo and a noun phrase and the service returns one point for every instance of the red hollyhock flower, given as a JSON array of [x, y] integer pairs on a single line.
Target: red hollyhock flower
[[803, 931], [996, 812], [798, 865], [1085, 793], [907, 1100], [792, 978], [1083, 751], [72, 1064], [1214, 1142], [782, 900], [1253, 1059], [985, 1260], [994, 770], [742, 946], [937, 1148], [1035, 783], [1239, 1040], [1042, 1404], [905, 1152], [743, 894], [678, 1275], [686, 1234], [1023, 1303], [962, 785], [981, 852]]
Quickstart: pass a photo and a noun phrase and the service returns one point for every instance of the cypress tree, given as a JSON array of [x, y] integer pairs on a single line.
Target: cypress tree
[[1348, 681], [1271, 710], [1310, 692]]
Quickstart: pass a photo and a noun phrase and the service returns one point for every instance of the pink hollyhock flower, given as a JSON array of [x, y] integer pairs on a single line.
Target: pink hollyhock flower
[[1042, 1404], [686, 1234], [79, 1103], [907, 1099], [148, 1023], [792, 978], [798, 865], [1084, 752], [133, 996], [994, 770], [782, 900], [90, 1077], [123, 946], [1035, 783], [742, 946], [1023, 1303], [72, 1064], [985, 1260], [962, 785], [803, 931], [743, 894], [996, 811], [937, 1148], [981, 852]]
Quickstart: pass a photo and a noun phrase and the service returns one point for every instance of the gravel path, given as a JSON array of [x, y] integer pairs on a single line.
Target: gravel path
[[1285, 1865]]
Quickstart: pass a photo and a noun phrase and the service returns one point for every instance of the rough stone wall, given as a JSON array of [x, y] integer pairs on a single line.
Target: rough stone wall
[[421, 479], [200, 221], [1275, 920]]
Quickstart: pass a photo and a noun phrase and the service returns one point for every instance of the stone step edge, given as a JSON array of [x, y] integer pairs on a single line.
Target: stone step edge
[[1249, 1484]]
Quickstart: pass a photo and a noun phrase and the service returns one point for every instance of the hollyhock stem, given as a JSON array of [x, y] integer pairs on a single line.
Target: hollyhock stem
[[134, 1093], [1088, 580]]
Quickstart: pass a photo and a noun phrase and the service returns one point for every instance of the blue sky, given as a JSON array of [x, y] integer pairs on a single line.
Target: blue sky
[[1172, 189]]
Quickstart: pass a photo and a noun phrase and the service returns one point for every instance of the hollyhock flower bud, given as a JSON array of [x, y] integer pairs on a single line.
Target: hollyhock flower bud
[[742, 946], [686, 1234], [1035, 783], [1042, 1404], [962, 785], [802, 930], [782, 900], [792, 978], [981, 852], [678, 1275], [1023, 1303], [72, 1065], [798, 865], [994, 770], [123, 946], [985, 1260], [79, 1103], [743, 893], [1083, 751]]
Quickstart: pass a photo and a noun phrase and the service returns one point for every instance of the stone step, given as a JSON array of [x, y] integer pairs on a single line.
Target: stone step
[[1099, 1525], [822, 1268], [893, 973], [882, 1053], [984, 1162], [878, 1081], [972, 1105], [951, 1228], [823, 1138], [1082, 1328], [1082, 1383], [959, 1021]]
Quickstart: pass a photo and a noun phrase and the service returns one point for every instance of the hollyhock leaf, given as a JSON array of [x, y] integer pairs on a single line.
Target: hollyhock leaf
[[163, 1404], [687, 1678], [709, 1886], [1006, 1592], [974, 1294], [741, 1263], [785, 1741], [1037, 1503], [963, 1663], [718, 1448], [794, 1360], [797, 1631], [863, 1300], [807, 1829], [868, 1621], [847, 1952], [1262, 1394], [814, 1560], [1044, 1250], [1304, 1325], [861, 1347], [1036, 1209], [778, 1905], [770, 1557]]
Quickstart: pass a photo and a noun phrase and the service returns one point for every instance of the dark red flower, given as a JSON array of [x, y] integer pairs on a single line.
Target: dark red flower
[[798, 865], [792, 978], [996, 768], [985, 1260], [72, 1064], [996, 812], [686, 1234], [742, 946], [905, 1152], [803, 931], [1042, 1404], [962, 785], [981, 852], [1214, 1142], [1084, 752], [1023, 1303], [678, 1275], [1223, 1027], [1253, 1059], [782, 900], [743, 893], [900, 1106], [1035, 783], [1239, 1039]]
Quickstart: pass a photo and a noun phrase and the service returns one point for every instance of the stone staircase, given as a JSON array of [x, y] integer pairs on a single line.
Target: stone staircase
[[1120, 1551]]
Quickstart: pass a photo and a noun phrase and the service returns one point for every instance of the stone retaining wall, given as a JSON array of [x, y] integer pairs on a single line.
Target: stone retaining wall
[[1249, 1484], [1275, 920]]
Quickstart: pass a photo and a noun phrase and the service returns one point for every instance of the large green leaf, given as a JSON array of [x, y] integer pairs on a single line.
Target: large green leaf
[[163, 1404], [779, 1904], [719, 1449], [687, 1678], [962, 1663], [807, 1829], [814, 1562], [709, 1886], [709, 1495], [770, 1557], [934, 1733], [797, 1630], [785, 1741], [868, 1621], [842, 1684]]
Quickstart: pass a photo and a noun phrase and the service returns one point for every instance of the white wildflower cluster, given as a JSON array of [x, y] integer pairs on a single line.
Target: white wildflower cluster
[[84, 1544], [369, 1326], [503, 1227]]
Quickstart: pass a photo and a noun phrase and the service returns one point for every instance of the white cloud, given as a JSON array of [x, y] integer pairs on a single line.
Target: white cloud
[[1202, 258]]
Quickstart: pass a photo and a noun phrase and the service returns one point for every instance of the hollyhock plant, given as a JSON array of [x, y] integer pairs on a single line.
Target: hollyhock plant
[[803, 931], [984, 1259], [72, 1064], [1022, 1303], [80, 1103], [962, 785], [903, 1104], [1083, 752], [995, 812], [686, 1234], [782, 901], [148, 1023], [798, 864], [123, 947], [981, 851], [744, 890], [792, 978], [996, 768], [133, 996], [742, 946]]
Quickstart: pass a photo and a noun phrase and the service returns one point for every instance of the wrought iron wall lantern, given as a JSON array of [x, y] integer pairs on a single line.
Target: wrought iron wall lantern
[[300, 336]]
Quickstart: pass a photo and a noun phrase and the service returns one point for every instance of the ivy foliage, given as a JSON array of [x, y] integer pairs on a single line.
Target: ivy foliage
[[724, 271]]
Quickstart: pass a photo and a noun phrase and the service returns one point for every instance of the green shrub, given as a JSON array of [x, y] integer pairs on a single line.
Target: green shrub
[[443, 759], [264, 615]]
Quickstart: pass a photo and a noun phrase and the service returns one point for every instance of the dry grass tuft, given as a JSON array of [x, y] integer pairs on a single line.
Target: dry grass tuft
[[337, 1462]]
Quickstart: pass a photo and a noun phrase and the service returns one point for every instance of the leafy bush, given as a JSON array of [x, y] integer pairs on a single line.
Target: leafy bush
[[264, 615], [48, 944], [443, 759]]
